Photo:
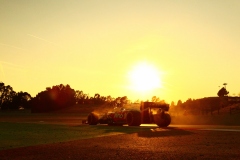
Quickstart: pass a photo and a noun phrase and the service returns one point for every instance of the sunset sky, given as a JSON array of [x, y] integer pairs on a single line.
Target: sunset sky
[[188, 48]]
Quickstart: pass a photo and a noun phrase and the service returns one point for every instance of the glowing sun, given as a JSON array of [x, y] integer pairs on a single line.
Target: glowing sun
[[145, 77]]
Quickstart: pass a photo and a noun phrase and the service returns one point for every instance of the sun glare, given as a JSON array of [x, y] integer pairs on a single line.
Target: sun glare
[[145, 77]]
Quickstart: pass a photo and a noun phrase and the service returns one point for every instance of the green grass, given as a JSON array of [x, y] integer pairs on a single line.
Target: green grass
[[14, 135]]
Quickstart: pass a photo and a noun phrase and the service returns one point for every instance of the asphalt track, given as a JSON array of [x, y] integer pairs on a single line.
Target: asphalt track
[[173, 142]]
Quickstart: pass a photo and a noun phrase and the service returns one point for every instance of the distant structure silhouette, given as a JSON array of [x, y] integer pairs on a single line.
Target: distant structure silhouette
[[222, 92]]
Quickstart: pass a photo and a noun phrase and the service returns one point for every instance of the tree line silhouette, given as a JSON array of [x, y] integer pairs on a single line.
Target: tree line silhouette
[[62, 96], [9, 99], [204, 106], [53, 98]]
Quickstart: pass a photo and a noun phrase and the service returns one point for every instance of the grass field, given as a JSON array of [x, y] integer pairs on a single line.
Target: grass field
[[15, 135]]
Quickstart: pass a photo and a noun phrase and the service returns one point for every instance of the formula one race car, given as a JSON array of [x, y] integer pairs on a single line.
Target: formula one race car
[[150, 112]]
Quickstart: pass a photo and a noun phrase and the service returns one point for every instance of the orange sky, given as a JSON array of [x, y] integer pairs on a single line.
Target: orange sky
[[94, 45]]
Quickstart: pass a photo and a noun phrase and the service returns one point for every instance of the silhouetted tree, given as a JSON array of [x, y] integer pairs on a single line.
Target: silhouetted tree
[[123, 100], [155, 99], [118, 101], [222, 92], [6, 95], [172, 106], [179, 106], [21, 99], [137, 101], [55, 98], [79, 97], [97, 99]]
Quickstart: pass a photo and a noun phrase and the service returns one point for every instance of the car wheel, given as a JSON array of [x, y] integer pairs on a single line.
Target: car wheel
[[134, 118], [162, 120]]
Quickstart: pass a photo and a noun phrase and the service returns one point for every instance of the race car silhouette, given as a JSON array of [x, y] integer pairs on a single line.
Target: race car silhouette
[[150, 112]]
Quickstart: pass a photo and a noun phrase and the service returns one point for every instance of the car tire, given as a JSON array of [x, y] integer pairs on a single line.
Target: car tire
[[162, 120], [134, 118]]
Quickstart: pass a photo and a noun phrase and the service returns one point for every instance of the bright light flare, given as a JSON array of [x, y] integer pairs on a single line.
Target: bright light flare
[[145, 77]]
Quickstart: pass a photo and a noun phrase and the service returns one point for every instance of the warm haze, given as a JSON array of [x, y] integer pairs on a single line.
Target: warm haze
[[185, 48]]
